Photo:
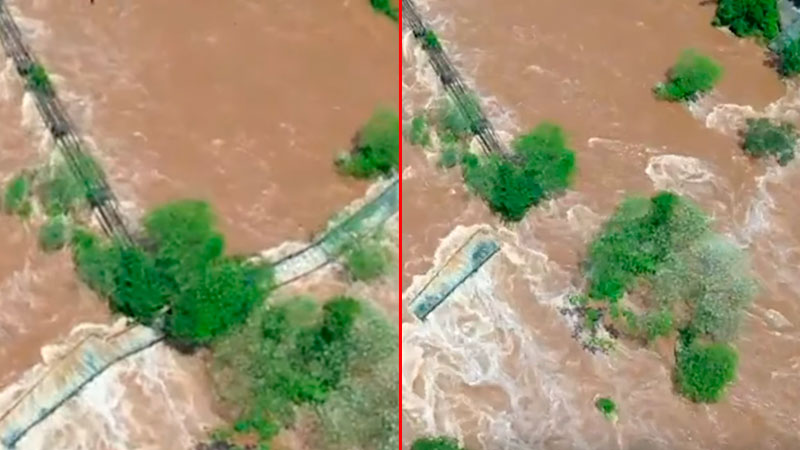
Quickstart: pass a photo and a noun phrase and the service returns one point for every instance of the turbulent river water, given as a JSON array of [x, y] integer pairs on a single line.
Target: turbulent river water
[[496, 365], [242, 103]]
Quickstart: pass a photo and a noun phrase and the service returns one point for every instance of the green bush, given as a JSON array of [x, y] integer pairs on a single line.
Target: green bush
[[705, 370], [54, 234], [458, 119], [657, 324], [451, 152], [766, 138], [62, 193], [607, 407], [542, 165], [420, 132], [38, 80], [366, 259], [431, 41], [788, 55], [749, 17], [17, 198], [593, 317], [377, 151], [436, 443], [692, 75], [387, 7]]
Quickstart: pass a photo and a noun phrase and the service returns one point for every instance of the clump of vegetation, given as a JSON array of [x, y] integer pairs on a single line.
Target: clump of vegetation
[[420, 131], [387, 7], [182, 273], [431, 41], [541, 166], [17, 198], [38, 80], [607, 407], [458, 119], [54, 234], [62, 193], [764, 137], [436, 443], [377, 151], [366, 258], [692, 75], [749, 17], [294, 353], [705, 370], [788, 54], [450, 155]]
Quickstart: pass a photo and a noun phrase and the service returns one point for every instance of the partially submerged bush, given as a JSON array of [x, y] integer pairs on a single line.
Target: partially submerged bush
[[692, 75], [62, 193], [17, 198], [607, 407], [705, 370], [54, 234], [451, 153], [420, 131], [788, 54], [542, 166], [436, 443], [387, 7], [764, 137], [460, 118], [366, 258], [38, 80], [749, 17], [377, 151], [431, 41]]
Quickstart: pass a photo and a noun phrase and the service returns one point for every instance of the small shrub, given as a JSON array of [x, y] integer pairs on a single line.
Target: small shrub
[[431, 41], [593, 317], [705, 370], [377, 151], [62, 193], [366, 259], [17, 198], [387, 7], [420, 132], [789, 58], [450, 155], [39, 80], [749, 17], [607, 407], [657, 324], [436, 443], [458, 118], [579, 300], [766, 138], [54, 234], [692, 75]]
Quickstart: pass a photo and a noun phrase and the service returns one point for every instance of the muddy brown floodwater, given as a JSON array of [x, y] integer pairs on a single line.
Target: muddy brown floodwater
[[242, 103], [497, 366]]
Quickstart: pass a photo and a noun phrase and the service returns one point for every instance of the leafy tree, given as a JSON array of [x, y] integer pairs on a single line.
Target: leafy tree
[[705, 370], [766, 138], [749, 17], [789, 58], [138, 286], [17, 196], [692, 75], [436, 443], [54, 234], [377, 151]]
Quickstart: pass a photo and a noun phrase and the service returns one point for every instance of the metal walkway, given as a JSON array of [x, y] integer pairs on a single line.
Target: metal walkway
[[452, 82], [64, 133]]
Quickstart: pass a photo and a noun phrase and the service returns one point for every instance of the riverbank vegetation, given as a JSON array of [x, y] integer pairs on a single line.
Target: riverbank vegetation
[[694, 74], [687, 277], [366, 258], [17, 196], [387, 7], [436, 443], [377, 148], [759, 18], [766, 138], [336, 362]]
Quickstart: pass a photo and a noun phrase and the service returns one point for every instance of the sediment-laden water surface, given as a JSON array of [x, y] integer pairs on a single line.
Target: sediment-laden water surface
[[497, 366]]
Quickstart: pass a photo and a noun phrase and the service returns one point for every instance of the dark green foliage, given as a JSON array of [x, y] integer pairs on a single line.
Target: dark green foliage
[[542, 165], [62, 193], [17, 198], [692, 75], [431, 41], [366, 259], [451, 152], [294, 353], [377, 151], [387, 7], [436, 443], [420, 132], [789, 58], [54, 234], [749, 17], [766, 138], [705, 370], [183, 271], [607, 407], [38, 80]]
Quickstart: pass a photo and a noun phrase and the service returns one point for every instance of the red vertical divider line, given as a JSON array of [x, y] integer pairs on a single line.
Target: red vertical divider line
[[400, 219]]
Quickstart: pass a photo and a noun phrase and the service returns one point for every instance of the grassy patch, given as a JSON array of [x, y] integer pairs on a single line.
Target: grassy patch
[[764, 137], [17, 197], [694, 74], [705, 370], [749, 17], [54, 234], [377, 151]]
